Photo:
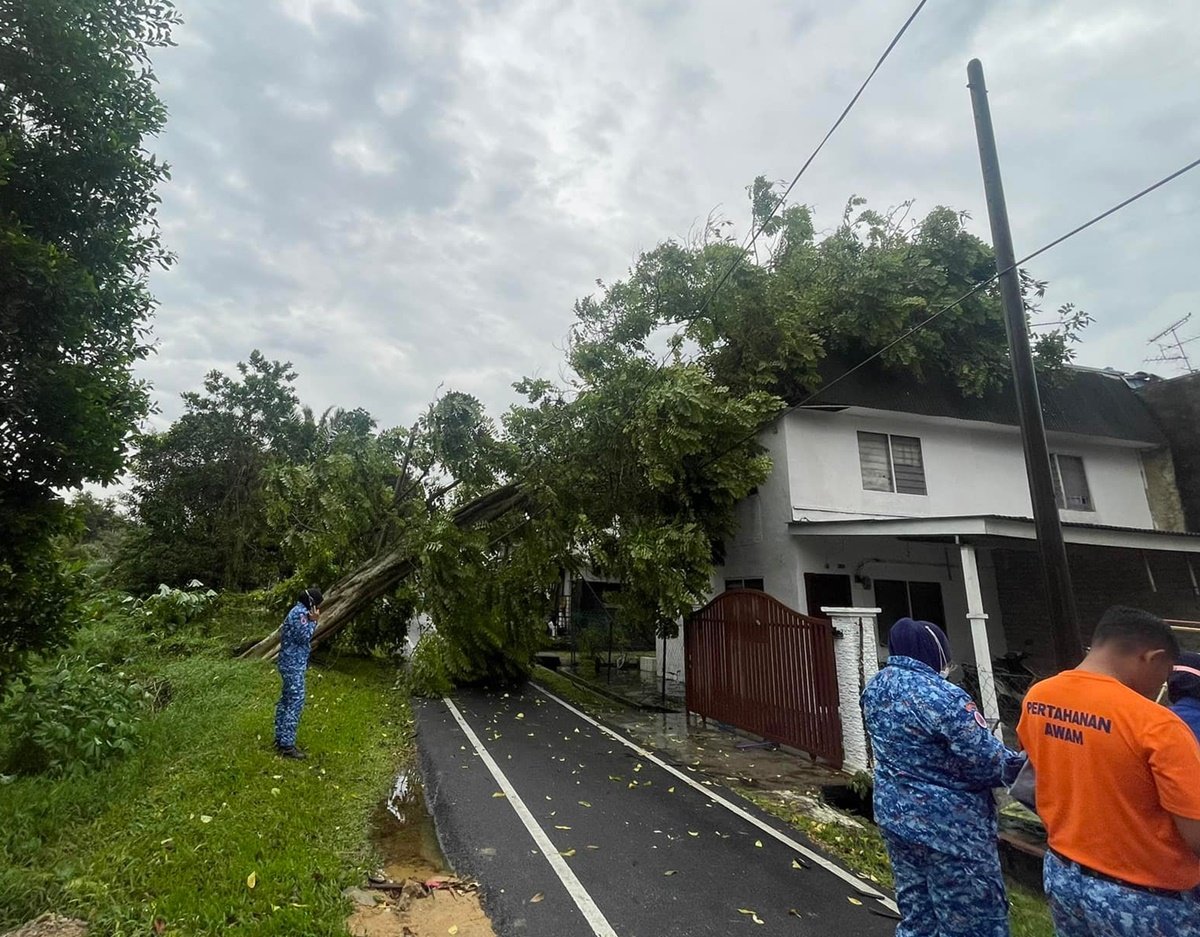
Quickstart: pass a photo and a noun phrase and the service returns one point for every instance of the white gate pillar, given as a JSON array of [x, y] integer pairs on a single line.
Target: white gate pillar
[[979, 638], [856, 656]]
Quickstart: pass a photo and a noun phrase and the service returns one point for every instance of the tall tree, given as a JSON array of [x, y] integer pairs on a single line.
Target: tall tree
[[78, 237], [199, 487]]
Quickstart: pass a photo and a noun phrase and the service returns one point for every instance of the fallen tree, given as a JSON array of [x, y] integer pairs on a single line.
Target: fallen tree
[[374, 579]]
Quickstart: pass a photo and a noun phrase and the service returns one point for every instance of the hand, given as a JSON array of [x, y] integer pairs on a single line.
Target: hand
[[314, 614]]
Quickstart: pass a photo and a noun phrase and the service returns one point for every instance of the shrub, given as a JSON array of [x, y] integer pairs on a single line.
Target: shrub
[[430, 672], [69, 717], [173, 608]]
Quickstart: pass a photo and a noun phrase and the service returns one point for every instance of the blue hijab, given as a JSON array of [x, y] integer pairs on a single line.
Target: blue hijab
[[920, 640]]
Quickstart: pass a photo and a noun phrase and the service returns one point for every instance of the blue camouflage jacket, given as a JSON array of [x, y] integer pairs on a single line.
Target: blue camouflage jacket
[[935, 760], [295, 635]]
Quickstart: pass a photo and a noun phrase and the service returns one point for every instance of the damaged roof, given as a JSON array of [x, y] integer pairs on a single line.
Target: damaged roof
[[1076, 400]]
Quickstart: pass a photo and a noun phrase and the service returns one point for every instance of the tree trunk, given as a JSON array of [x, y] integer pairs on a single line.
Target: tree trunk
[[381, 574]]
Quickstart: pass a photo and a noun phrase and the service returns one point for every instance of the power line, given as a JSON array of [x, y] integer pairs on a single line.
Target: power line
[[753, 236], [755, 232], [982, 285]]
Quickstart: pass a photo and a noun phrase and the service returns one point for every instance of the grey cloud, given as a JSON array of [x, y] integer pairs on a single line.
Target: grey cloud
[[417, 195]]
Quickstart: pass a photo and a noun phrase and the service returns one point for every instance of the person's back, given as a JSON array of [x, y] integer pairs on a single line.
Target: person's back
[[1118, 787]]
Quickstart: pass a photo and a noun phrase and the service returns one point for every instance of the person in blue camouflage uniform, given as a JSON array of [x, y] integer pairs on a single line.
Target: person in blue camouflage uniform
[[1081, 899], [935, 766], [295, 642]]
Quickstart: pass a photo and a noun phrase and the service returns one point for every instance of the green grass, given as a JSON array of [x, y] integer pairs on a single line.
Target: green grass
[[128, 844], [572, 692], [864, 852]]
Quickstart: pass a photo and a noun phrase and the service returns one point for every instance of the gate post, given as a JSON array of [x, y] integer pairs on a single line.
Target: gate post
[[857, 660]]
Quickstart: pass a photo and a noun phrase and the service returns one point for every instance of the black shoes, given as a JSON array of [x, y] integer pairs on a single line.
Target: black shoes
[[290, 751]]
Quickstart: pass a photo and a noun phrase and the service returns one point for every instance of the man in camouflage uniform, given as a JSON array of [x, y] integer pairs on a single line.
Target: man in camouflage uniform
[[1118, 787], [295, 643], [935, 766]]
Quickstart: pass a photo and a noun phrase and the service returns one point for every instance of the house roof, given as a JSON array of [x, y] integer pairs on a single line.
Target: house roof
[[974, 528], [1083, 401]]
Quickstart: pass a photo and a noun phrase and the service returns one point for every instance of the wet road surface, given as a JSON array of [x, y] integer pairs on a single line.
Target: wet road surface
[[571, 830]]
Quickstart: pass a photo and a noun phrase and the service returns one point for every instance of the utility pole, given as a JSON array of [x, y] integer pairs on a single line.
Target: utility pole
[[1060, 599]]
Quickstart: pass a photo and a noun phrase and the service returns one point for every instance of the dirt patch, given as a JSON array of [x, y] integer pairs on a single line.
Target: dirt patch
[[414, 894], [51, 925], [443, 911]]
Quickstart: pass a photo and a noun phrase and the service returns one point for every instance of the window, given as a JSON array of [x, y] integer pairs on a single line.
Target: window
[[899, 599], [891, 463], [1070, 483], [744, 584]]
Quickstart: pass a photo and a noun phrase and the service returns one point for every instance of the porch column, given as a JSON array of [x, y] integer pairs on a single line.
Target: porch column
[[979, 638], [857, 660]]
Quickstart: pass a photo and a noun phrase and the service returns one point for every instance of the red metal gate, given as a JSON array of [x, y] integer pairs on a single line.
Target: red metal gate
[[756, 664]]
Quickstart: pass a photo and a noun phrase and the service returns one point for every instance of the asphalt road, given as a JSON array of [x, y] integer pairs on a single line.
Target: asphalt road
[[570, 831]]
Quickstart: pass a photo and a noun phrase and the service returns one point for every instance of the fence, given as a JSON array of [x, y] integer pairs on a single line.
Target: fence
[[756, 664]]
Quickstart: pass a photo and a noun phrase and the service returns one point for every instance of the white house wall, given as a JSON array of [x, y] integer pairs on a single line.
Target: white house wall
[[970, 469]]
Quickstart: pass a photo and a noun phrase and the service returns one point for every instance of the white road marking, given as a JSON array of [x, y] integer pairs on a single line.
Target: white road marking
[[592, 914], [856, 883]]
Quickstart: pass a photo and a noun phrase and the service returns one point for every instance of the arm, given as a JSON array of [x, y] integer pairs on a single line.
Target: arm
[[983, 760], [1189, 830], [1174, 759]]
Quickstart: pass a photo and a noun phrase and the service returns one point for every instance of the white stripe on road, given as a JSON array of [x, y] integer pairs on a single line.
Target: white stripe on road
[[583, 901], [857, 884]]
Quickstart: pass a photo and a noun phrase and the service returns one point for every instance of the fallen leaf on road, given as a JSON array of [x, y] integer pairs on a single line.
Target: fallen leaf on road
[[797, 864], [794, 913], [744, 911], [690, 833], [568, 853], [756, 919], [669, 872], [520, 715], [536, 898], [854, 901], [562, 827], [670, 790], [251, 879], [499, 794], [758, 843], [613, 777], [582, 803]]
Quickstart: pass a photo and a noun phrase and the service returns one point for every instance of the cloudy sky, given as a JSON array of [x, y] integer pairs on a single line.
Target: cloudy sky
[[398, 195]]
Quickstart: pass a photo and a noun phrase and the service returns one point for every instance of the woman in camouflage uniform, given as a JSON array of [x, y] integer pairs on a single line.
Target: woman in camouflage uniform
[[295, 642], [935, 766]]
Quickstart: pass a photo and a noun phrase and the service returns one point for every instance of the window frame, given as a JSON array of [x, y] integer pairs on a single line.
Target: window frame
[[740, 582], [1060, 489], [890, 454]]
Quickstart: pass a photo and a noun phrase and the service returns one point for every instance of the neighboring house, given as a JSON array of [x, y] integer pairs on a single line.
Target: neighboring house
[[904, 495]]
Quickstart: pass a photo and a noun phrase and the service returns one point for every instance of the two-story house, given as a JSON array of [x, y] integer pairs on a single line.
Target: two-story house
[[904, 495]]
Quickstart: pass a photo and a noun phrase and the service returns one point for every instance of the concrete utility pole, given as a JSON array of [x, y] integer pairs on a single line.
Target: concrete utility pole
[[1060, 598]]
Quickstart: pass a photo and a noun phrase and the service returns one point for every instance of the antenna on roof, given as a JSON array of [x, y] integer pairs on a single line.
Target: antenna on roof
[[1171, 348]]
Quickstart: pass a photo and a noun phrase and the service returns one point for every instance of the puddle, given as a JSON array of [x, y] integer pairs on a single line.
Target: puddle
[[404, 833], [406, 839]]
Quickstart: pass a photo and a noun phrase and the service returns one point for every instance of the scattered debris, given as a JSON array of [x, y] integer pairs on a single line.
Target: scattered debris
[[51, 925]]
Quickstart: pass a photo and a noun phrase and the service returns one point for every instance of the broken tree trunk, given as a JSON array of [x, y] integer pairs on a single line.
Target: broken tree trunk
[[381, 574]]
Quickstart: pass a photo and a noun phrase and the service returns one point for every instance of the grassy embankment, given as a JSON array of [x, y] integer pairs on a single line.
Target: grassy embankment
[[203, 828]]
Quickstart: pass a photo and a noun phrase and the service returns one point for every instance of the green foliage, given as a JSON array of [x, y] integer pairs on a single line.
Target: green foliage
[[199, 487], [71, 716], [125, 844], [429, 674], [78, 237], [171, 609]]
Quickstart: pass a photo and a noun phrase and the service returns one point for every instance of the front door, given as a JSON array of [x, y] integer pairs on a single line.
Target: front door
[[825, 590]]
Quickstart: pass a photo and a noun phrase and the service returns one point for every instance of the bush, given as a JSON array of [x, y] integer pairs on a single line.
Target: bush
[[69, 717], [430, 672], [173, 608]]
